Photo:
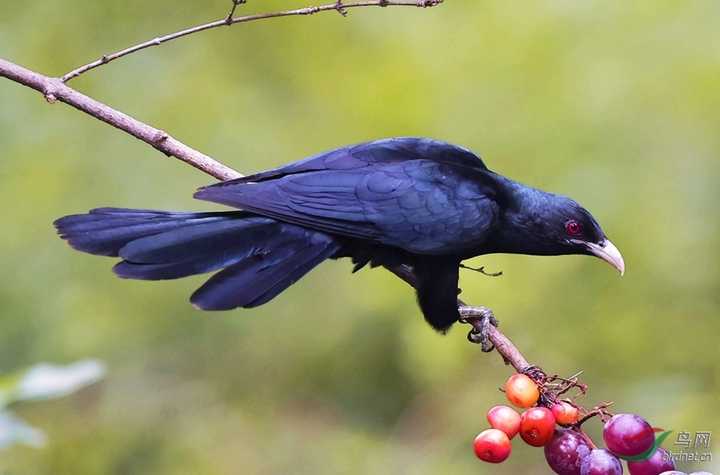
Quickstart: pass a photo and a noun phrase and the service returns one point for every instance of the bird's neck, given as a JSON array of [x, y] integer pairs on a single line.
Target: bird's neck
[[522, 224]]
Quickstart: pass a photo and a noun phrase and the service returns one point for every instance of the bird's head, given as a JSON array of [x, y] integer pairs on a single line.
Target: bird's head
[[573, 230], [543, 223]]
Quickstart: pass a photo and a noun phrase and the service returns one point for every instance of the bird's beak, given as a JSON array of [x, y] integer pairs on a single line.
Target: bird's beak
[[609, 253]]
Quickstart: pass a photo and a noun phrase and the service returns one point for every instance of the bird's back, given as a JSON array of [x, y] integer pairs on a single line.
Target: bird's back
[[420, 195]]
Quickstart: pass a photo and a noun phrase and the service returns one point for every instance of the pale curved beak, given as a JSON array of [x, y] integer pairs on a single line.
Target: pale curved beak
[[609, 253]]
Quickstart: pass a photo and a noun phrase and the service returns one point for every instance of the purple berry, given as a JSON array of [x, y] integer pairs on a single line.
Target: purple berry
[[675, 472], [659, 462], [601, 462], [565, 452], [628, 435]]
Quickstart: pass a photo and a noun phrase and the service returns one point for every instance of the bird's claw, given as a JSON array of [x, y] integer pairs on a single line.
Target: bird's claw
[[481, 318]]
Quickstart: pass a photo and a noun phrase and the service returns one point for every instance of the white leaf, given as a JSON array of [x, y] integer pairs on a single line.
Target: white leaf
[[16, 431], [45, 381]]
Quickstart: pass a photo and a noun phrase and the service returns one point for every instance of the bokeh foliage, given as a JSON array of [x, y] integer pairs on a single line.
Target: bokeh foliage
[[616, 104]]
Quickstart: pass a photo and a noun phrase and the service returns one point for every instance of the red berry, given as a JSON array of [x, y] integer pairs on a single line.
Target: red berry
[[628, 434], [521, 391], [505, 419], [537, 426], [492, 445], [565, 413], [659, 462]]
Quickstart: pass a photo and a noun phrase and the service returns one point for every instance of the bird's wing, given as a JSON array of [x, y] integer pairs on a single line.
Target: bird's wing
[[420, 205], [363, 155]]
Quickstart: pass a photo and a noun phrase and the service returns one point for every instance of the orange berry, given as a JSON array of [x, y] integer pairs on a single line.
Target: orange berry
[[565, 413], [521, 391]]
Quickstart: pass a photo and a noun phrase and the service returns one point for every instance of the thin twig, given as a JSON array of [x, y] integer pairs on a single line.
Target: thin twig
[[231, 20], [482, 270], [231, 15]]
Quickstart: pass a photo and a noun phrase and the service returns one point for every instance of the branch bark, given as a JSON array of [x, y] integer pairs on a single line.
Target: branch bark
[[507, 349], [55, 89]]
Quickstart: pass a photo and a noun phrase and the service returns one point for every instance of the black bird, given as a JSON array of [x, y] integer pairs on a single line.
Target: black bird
[[417, 202]]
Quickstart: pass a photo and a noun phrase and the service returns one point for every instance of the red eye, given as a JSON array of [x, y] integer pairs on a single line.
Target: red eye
[[573, 228]]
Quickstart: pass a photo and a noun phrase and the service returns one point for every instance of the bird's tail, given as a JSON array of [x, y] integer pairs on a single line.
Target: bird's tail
[[259, 257]]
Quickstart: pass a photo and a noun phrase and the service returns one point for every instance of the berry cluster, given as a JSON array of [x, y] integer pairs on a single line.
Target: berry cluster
[[556, 424]]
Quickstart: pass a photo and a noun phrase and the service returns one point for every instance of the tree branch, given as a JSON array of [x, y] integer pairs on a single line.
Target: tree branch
[[56, 89], [503, 345], [230, 20]]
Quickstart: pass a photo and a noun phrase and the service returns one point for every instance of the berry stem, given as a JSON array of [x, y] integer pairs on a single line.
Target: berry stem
[[599, 410], [587, 438]]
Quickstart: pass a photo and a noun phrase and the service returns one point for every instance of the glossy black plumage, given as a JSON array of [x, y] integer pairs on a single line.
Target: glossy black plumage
[[413, 201], [424, 197]]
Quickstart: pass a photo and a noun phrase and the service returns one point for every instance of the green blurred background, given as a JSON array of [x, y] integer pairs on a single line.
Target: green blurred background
[[616, 104]]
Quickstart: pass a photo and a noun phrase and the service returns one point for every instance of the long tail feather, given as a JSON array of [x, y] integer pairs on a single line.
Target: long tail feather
[[104, 231], [261, 256], [255, 281]]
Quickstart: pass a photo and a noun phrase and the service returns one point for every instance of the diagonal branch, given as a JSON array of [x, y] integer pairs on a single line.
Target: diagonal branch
[[230, 19], [54, 90], [472, 315]]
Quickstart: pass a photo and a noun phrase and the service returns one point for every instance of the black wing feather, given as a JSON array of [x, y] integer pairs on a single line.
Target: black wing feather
[[353, 157], [382, 191]]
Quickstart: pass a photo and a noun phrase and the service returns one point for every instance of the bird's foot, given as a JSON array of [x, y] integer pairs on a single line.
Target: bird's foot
[[481, 319]]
